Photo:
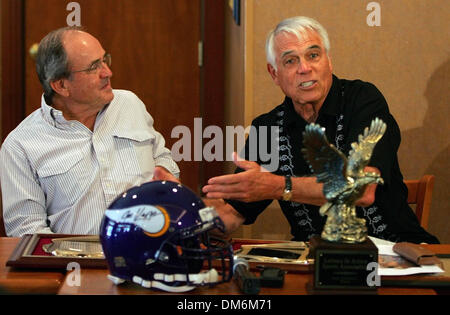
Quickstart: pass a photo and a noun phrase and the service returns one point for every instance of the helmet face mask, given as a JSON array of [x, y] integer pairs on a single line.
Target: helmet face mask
[[157, 235]]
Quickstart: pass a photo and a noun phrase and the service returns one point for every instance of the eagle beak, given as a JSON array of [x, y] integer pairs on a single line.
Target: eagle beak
[[377, 177]]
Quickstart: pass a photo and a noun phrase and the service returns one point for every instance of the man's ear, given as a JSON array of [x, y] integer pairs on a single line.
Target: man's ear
[[273, 73], [59, 86]]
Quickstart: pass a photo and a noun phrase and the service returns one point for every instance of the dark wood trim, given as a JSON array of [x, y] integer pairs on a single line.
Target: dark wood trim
[[212, 76], [13, 68]]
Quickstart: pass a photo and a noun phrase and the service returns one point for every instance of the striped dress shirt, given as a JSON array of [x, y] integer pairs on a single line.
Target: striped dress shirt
[[59, 176]]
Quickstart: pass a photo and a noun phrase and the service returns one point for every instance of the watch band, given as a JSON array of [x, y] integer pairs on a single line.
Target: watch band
[[288, 183], [287, 193]]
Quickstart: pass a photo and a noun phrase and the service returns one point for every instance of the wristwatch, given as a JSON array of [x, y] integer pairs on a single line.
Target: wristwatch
[[287, 193]]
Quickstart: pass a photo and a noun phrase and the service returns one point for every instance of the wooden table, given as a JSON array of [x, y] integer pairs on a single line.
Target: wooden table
[[95, 282], [23, 281]]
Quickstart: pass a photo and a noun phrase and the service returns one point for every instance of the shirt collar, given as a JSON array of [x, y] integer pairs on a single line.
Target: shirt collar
[[56, 118], [51, 115], [330, 105]]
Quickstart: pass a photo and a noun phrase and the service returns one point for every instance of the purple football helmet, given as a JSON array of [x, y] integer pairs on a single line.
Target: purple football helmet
[[156, 235]]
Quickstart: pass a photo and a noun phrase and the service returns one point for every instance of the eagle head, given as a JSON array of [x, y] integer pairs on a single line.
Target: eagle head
[[372, 178]]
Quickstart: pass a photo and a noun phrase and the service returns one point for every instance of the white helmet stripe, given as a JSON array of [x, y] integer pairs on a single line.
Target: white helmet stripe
[[151, 219]]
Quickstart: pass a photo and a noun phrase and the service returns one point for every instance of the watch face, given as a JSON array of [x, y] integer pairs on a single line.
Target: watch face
[[287, 195]]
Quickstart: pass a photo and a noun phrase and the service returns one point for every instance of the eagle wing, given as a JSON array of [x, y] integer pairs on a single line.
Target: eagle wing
[[361, 151], [326, 162]]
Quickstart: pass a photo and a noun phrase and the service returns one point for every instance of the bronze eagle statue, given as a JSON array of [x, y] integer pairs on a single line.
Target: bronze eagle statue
[[344, 180]]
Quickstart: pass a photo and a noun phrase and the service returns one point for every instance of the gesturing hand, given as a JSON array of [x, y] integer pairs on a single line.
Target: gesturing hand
[[253, 184]]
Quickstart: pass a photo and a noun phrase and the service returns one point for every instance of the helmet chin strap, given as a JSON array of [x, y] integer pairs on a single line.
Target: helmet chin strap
[[161, 279]]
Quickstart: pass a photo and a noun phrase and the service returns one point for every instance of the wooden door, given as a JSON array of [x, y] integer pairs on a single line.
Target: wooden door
[[154, 48]]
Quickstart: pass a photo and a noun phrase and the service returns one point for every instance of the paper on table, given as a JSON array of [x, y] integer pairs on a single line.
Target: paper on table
[[392, 264]]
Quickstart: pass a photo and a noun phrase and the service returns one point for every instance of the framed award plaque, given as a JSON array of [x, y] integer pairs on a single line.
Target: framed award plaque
[[55, 251]]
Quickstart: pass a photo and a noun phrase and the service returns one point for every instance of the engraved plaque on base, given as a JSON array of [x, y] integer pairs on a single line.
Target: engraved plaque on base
[[342, 267]]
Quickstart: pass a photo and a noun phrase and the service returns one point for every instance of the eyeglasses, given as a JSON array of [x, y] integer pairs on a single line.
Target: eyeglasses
[[97, 65]]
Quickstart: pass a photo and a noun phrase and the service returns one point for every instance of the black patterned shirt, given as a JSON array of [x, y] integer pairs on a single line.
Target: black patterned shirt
[[350, 107]]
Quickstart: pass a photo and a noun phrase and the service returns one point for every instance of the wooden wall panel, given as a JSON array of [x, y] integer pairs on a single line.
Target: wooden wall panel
[[12, 36]]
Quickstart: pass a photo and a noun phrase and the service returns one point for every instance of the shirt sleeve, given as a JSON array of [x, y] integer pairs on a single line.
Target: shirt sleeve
[[23, 200], [369, 104], [161, 154]]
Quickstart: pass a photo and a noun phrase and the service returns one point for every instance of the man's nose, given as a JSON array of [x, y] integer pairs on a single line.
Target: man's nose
[[304, 66], [105, 71]]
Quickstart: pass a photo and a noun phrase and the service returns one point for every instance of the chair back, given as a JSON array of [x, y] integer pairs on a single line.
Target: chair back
[[419, 193]]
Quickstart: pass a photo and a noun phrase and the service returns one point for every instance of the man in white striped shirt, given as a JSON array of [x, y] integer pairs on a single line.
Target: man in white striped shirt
[[67, 161]]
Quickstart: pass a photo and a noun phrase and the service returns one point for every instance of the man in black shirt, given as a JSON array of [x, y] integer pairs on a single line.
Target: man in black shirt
[[298, 62]]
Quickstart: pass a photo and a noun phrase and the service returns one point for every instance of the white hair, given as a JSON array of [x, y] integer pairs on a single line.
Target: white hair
[[298, 26]]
